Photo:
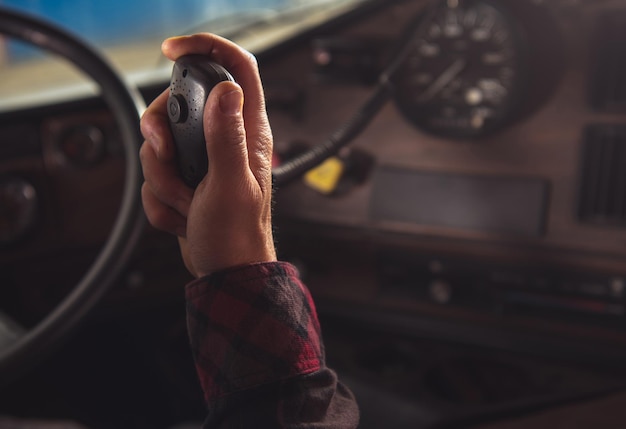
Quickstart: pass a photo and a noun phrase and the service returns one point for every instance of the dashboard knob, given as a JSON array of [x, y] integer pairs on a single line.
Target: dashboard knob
[[440, 291], [83, 145], [18, 209]]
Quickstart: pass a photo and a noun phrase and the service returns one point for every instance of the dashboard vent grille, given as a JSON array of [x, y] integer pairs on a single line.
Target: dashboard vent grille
[[608, 85], [603, 190]]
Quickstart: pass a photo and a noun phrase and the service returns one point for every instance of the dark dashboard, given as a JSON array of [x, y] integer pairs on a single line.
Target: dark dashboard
[[511, 219], [482, 212]]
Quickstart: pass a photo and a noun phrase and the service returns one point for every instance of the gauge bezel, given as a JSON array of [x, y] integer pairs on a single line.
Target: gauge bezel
[[515, 100]]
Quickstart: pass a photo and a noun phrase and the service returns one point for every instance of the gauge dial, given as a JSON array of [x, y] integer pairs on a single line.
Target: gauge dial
[[463, 74]]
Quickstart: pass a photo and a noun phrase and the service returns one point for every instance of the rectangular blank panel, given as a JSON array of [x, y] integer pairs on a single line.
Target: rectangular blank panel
[[491, 204]]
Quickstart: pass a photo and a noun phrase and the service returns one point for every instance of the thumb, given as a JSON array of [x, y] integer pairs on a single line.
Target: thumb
[[224, 131]]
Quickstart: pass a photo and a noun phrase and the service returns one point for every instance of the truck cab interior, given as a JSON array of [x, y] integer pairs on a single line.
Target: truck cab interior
[[461, 226]]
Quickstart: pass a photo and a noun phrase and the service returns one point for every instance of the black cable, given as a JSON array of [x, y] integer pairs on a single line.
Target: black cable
[[296, 167], [302, 163]]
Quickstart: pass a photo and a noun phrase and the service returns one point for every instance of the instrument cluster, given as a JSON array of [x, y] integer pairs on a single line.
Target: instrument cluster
[[464, 75], [493, 163]]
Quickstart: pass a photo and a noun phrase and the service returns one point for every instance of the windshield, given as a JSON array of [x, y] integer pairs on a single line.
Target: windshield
[[130, 33]]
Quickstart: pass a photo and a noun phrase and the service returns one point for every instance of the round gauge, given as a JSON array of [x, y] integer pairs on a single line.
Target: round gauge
[[463, 74]]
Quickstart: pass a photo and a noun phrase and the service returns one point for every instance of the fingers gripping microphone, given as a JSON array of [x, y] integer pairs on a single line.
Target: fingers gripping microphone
[[193, 78]]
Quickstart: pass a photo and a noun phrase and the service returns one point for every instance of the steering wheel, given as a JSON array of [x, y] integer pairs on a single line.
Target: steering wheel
[[20, 348]]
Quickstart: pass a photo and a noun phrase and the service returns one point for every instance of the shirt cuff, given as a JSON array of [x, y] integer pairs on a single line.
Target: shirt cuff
[[250, 326]]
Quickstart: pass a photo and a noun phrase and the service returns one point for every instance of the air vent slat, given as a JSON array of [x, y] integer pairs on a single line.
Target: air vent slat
[[603, 183], [604, 186], [608, 78], [595, 178], [620, 182]]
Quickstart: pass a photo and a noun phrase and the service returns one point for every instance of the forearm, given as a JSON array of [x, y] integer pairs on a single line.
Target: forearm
[[256, 342]]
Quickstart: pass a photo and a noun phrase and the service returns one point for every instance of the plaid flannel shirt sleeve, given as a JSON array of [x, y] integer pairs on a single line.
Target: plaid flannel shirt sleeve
[[256, 342]]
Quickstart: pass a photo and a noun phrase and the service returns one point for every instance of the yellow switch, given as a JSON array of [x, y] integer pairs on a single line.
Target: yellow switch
[[325, 177]]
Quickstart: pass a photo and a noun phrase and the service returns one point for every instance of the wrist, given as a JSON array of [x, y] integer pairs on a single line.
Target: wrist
[[231, 257]]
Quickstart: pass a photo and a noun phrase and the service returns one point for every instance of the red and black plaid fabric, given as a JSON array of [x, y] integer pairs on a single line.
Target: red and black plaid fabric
[[256, 341], [251, 326]]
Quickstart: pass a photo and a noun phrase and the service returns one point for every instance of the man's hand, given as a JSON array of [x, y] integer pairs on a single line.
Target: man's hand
[[226, 221]]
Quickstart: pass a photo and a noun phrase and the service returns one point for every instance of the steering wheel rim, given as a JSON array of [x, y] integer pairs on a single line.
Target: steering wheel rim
[[126, 105]]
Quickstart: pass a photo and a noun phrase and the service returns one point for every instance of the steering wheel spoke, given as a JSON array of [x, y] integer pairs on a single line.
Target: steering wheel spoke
[[10, 330]]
